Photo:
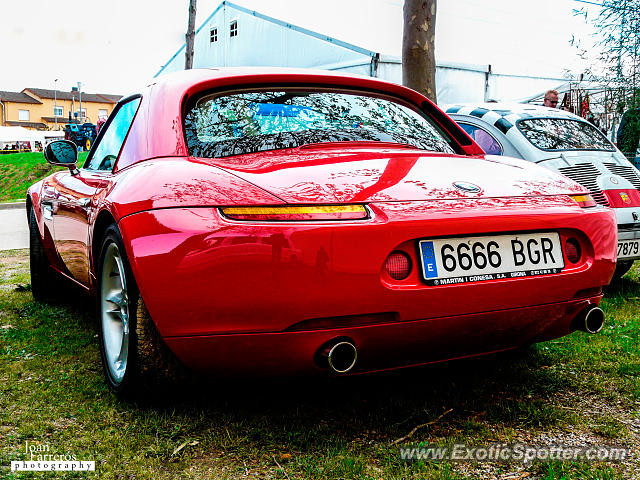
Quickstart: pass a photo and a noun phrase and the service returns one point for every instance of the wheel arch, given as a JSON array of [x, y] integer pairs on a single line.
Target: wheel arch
[[32, 201], [100, 225], [28, 204]]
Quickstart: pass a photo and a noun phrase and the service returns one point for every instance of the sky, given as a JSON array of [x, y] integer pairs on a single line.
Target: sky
[[116, 46]]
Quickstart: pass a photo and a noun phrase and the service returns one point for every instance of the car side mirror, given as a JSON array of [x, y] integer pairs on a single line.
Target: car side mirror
[[63, 153]]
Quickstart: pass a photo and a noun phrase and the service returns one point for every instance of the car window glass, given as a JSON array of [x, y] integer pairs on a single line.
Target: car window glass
[[489, 144], [106, 153], [563, 134], [224, 125]]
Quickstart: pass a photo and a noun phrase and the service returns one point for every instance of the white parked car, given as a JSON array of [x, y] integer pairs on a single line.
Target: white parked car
[[567, 144]]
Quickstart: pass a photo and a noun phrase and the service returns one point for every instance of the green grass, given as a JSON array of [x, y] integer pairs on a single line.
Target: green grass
[[579, 388], [20, 170]]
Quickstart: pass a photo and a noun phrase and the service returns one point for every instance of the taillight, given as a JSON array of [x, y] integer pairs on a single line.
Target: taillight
[[584, 200], [572, 250], [398, 265], [296, 213]]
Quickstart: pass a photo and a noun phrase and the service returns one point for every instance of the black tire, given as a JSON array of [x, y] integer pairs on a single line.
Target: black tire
[[149, 364], [44, 281], [621, 269]]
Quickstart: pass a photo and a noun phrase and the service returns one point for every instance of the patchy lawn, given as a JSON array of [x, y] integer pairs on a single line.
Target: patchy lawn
[[578, 390], [20, 170]]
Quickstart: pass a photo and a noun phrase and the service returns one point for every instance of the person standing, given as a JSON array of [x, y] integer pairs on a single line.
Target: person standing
[[551, 99]]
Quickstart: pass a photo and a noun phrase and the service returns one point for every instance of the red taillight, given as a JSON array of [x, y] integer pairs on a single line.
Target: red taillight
[[584, 201], [572, 250], [287, 213], [398, 265]]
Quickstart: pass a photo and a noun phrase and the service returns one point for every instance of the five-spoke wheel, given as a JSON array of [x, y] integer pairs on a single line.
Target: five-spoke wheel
[[114, 313]]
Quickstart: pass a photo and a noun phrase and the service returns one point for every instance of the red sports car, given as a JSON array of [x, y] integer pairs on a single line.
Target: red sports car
[[253, 221]]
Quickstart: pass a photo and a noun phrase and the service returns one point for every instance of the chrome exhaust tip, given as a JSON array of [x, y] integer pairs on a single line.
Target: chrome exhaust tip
[[590, 320], [339, 355]]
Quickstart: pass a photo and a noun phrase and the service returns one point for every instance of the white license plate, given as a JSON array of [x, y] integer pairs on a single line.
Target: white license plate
[[628, 248], [447, 261]]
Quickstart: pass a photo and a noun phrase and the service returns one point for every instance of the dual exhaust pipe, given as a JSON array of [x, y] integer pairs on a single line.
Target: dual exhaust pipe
[[590, 320], [340, 354]]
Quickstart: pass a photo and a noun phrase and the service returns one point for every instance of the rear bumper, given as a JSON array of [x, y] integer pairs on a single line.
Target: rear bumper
[[380, 347], [202, 275], [629, 234]]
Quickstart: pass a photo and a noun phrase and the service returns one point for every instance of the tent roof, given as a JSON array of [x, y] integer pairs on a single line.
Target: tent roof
[[21, 134]]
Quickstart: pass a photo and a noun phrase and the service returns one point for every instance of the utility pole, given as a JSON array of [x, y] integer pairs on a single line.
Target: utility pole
[[190, 36], [55, 101]]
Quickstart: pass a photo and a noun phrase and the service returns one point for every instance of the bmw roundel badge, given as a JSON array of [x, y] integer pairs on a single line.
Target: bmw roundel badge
[[467, 187]]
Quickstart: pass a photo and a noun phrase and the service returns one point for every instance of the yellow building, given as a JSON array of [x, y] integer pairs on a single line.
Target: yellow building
[[42, 109]]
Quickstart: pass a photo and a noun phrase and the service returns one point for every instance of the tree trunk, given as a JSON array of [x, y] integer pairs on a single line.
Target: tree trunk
[[190, 36], [418, 55]]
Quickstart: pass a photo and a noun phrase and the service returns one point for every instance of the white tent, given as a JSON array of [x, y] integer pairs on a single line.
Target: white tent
[[262, 40], [18, 134], [12, 135]]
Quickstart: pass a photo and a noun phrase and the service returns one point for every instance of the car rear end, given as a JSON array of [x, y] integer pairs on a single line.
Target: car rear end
[[371, 244], [269, 295]]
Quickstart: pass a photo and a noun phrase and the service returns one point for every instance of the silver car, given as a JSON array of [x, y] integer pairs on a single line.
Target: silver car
[[569, 145]]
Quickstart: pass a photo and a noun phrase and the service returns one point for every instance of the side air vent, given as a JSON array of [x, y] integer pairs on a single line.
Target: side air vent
[[586, 174], [625, 171]]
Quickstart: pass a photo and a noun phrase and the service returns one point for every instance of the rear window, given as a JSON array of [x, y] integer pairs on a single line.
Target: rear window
[[234, 124], [563, 134]]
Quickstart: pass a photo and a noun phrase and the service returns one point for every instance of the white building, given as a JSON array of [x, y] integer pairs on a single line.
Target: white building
[[236, 36]]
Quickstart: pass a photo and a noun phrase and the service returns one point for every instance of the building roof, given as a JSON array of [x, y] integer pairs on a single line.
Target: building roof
[[111, 98], [17, 97], [62, 95]]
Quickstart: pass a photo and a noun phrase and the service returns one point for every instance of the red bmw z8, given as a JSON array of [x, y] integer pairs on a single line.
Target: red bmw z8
[[253, 221]]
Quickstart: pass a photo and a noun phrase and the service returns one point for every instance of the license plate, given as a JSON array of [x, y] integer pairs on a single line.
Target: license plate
[[628, 248], [448, 261]]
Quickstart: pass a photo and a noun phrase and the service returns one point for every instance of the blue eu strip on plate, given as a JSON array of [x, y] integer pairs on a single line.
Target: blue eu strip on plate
[[428, 260]]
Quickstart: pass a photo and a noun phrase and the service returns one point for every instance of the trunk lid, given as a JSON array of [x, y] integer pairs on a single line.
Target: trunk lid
[[349, 175]]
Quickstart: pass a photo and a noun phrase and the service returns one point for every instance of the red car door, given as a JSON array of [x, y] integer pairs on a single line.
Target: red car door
[[75, 193]]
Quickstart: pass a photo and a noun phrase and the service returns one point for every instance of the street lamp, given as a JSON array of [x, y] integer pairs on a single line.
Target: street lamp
[[55, 101], [80, 98]]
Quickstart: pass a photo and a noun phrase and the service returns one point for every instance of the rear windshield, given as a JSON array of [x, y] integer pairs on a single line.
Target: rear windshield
[[563, 134], [224, 125]]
